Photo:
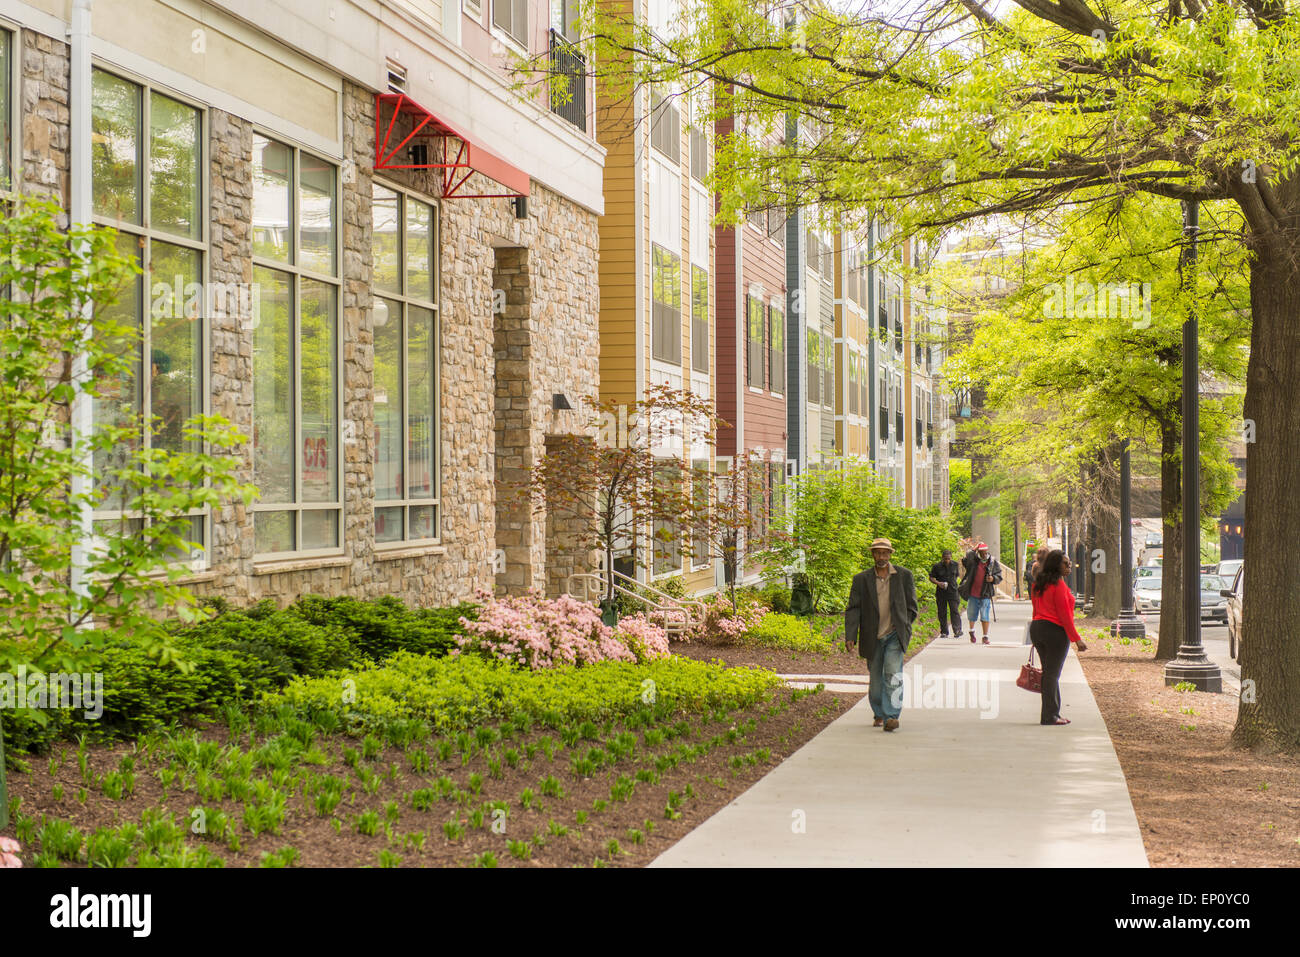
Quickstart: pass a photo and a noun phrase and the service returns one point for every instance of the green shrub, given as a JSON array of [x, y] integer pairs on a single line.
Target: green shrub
[[286, 643], [379, 628], [236, 657], [776, 596], [785, 631], [464, 691]]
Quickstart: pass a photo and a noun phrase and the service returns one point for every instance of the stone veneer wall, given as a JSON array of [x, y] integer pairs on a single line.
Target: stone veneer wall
[[45, 122], [557, 313]]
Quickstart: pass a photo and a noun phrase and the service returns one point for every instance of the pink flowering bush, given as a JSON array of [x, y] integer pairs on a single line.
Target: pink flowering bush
[[9, 853], [724, 623], [646, 639], [542, 633]]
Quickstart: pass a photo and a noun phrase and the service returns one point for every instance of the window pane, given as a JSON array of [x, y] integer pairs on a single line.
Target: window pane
[[319, 345], [320, 529], [421, 416], [115, 147], [273, 388], [384, 241], [177, 341], [419, 251], [119, 400], [174, 167], [388, 401], [272, 199], [190, 529], [424, 521], [388, 524], [273, 532], [316, 227]]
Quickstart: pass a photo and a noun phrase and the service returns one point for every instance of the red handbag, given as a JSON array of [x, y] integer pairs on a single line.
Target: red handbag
[[1031, 678]]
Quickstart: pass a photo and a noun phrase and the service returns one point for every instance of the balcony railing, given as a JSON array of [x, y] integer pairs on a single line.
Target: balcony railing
[[566, 62]]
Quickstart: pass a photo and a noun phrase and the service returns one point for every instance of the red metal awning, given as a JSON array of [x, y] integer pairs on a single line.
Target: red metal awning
[[452, 152]]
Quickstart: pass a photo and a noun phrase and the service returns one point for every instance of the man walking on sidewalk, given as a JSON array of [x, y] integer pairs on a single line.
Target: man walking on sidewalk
[[944, 576], [982, 573], [882, 607]]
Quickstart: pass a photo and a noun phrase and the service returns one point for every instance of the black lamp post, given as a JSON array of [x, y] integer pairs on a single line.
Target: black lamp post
[[1192, 664], [1128, 624]]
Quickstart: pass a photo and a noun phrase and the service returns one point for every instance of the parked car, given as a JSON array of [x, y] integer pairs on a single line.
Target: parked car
[[1228, 568], [1155, 540], [1146, 593], [1232, 596], [1214, 607]]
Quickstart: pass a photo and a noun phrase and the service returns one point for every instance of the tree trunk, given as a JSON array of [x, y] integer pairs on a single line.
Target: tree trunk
[[1108, 591], [1171, 525], [1269, 713]]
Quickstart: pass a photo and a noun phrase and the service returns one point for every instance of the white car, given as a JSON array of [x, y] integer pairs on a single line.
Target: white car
[[1146, 593]]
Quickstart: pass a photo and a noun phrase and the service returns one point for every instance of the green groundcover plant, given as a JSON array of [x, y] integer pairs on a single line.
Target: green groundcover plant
[[458, 692]]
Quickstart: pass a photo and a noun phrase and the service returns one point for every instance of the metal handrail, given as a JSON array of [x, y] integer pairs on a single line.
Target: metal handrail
[[684, 602], [680, 606]]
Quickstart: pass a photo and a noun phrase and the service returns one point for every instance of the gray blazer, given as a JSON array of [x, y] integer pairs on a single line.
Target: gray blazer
[[862, 617]]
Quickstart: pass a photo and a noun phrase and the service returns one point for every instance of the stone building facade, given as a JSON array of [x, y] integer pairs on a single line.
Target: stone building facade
[[517, 306]]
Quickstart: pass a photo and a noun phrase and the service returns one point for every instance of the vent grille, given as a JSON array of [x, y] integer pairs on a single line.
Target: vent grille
[[396, 77]]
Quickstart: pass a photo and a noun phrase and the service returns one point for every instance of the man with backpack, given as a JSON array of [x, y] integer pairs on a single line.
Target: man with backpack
[[980, 576]]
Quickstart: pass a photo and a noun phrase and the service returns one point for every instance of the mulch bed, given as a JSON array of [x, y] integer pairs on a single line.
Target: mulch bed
[[1200, 802], [835, 661], [705, 784]]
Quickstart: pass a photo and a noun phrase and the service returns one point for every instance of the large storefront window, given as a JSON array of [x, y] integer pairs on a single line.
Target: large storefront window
[[295, 351], [146, 157], [407, 408]]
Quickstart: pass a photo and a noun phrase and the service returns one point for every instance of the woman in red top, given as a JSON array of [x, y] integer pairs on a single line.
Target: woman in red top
[[1052, 630]]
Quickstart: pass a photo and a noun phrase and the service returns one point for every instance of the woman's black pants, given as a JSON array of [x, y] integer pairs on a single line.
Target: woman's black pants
[[1053, 646]]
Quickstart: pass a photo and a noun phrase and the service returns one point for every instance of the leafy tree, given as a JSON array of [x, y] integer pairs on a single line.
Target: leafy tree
[[938, 112], [622, 484], [959, 495], [57, 291], [1100, 355], [732, 518]]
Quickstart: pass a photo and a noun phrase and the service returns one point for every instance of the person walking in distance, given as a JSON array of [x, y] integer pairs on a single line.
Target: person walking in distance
[[882, 607], [981, 574], [1052, 630], [944, 575], [1037, 565]]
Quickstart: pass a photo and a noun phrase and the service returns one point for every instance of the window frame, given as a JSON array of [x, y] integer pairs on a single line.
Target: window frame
[[297, 274], [755, 364], [658, 309], [407, 301], [199, 560], [775, 357], [504, 33], [11, 162], [701, 326], [700, 549]]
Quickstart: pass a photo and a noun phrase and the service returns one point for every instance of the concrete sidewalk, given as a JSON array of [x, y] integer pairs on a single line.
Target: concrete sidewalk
[[948, 788]]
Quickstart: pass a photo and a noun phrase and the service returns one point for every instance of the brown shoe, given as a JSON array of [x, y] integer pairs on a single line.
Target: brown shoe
[[891, 724], [878, 722]]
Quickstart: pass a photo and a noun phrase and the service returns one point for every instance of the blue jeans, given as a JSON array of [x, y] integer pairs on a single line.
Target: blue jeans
[[886, 670], [977, 609]]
